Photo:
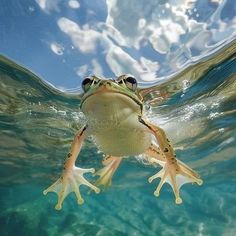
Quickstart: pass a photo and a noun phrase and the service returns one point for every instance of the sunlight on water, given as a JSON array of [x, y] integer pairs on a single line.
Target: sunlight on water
[[183, 54]]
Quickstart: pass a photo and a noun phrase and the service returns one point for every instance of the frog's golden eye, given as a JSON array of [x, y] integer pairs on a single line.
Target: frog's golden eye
[[87, 82], [131, 83]]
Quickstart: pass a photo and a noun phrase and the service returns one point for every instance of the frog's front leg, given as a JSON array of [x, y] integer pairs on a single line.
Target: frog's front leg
[[105, 174], [72, 176], [173, 171]]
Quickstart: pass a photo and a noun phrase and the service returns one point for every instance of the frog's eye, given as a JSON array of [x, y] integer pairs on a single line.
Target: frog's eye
[[87, 82], [130, 83]]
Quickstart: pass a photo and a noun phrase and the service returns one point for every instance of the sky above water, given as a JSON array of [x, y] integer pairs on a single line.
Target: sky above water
[[64, 41]]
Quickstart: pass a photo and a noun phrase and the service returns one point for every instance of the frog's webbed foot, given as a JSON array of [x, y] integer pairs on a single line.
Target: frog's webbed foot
[[175, 173], [70, 181], [106, 173]]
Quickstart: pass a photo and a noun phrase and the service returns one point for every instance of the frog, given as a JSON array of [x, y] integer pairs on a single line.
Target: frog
[[116, 121]]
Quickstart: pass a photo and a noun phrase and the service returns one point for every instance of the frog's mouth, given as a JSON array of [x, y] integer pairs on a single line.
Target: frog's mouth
[[108, 87]]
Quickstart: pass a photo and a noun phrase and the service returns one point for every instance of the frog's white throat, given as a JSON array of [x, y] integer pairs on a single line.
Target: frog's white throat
[[109, 107]]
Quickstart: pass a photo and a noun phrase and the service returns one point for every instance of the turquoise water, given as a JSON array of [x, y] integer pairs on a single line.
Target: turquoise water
[[38, 123]]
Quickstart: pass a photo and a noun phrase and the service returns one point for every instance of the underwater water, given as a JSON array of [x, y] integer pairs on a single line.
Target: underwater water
[[183, 54], [38, 124]]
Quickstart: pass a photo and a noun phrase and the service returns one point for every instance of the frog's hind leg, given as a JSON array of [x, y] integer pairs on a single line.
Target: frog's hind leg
[[105, 174], [173, 172], [155, 152]]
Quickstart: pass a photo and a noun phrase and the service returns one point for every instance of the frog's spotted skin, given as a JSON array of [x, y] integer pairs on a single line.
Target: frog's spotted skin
[[114, 112]]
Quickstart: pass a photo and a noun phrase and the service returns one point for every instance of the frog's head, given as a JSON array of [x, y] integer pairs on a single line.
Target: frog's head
[[124, 84]]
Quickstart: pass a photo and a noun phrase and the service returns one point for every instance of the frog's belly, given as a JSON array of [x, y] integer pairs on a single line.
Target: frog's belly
[[112, 120], [124, 141]]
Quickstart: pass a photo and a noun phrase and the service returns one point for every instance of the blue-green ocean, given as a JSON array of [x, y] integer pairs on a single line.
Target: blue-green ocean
[[183, 54], [38, 124]]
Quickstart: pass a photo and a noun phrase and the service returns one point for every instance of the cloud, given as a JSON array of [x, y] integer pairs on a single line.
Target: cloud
[[160, 24], [57, 48], [84, 39], [177, 31], [73, 4], [168, 25], [48, 5], [82, 71], [172, 32], [97, 68], [118, 60], [94, 68]]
